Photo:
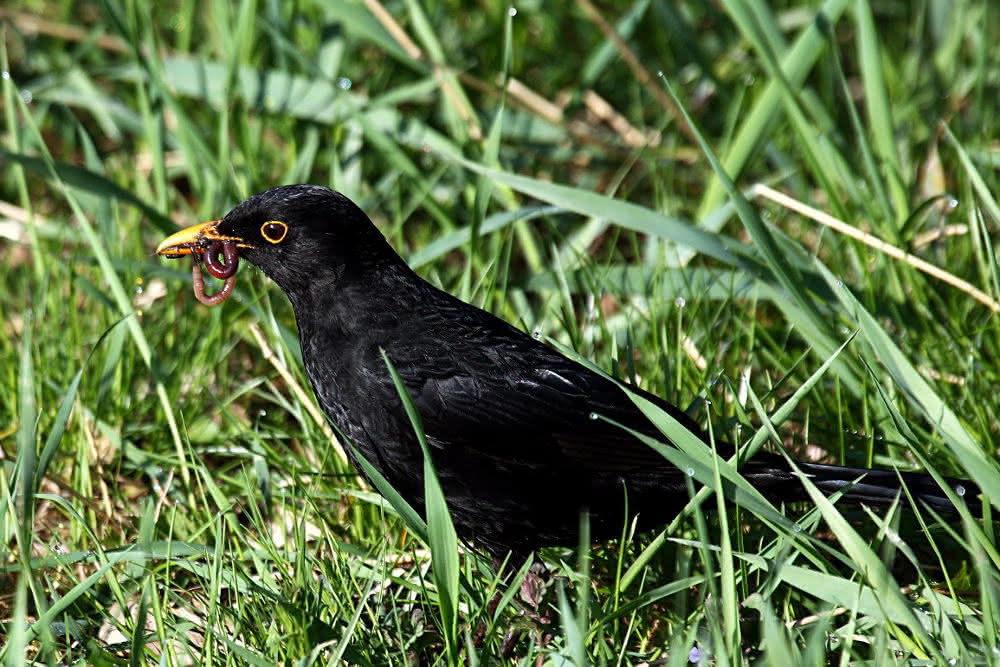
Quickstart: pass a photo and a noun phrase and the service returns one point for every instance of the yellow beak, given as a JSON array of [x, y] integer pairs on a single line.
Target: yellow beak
[[191, 240]]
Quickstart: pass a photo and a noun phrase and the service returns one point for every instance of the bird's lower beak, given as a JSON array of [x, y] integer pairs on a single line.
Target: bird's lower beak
[[191, 240]]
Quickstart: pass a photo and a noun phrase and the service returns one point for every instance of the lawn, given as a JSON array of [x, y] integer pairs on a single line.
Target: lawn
[[777, 215]]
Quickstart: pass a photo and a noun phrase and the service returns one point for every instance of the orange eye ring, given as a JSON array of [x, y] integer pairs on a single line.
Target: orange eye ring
[[274, 231]]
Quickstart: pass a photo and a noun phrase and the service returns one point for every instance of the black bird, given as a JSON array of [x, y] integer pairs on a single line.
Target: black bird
[[508, 418]]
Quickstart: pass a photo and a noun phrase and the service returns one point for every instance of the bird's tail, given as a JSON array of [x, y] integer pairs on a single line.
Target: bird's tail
[[861, 485]]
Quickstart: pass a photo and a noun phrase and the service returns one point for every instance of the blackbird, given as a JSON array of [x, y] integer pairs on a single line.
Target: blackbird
[[509, 420]]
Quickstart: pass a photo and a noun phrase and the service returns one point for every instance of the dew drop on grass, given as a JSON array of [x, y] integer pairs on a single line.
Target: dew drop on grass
[[960, 490], [26, 96], [262, 412], [951, 204], [344, 83], [5, 75], [512, 11], [690, 472], [680, 302], [536, 334], [593, 416]]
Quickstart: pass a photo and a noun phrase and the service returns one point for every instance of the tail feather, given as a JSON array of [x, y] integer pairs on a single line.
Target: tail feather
[[859, 485], [881, 487]]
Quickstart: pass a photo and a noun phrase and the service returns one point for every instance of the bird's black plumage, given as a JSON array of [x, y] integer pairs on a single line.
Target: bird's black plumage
[[507, 417]]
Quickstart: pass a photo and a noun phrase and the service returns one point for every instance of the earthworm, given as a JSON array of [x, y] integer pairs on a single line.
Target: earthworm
[[226, 270], [231, 260]]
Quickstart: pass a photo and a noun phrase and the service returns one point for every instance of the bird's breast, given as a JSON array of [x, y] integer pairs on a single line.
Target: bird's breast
[[354, 389]]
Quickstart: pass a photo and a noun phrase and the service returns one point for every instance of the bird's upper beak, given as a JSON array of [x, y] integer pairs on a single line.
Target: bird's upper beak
[[193, 239]]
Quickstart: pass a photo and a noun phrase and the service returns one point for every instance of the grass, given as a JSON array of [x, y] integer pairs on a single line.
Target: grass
[[170, 493]]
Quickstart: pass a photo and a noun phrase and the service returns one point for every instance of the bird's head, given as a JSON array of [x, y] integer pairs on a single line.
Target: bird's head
[[298, 235]]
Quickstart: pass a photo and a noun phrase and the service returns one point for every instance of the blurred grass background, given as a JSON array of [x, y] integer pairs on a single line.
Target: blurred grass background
[[170, 495]]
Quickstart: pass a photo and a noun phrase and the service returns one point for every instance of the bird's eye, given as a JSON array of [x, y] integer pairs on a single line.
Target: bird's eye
[[274, 231]]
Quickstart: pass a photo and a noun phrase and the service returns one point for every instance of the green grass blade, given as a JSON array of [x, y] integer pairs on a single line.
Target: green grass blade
[[918, 391], [796, 65], [414, 522], [870, 567], [879, 110], [89, 182], [442, 538], [62, 414]]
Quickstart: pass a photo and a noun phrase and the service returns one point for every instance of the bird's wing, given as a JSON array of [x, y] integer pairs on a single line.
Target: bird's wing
[[539, 408]]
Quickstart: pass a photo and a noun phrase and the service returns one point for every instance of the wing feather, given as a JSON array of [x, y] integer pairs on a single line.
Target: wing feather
[[541, 416]]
